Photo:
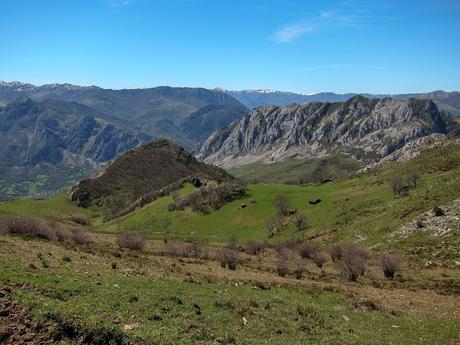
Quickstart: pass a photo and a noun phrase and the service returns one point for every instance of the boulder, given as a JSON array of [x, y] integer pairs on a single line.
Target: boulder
[[314, 201]]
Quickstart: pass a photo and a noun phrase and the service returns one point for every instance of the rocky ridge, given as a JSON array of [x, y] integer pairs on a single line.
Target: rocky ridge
[[367, 129]]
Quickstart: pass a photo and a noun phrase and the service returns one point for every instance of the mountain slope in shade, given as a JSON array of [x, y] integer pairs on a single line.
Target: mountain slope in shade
[[448, 101], [145, 169], [367, 129], [53, 143], [161, 111]]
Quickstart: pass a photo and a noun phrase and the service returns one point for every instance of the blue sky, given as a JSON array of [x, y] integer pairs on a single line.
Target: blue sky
[[385, 46]]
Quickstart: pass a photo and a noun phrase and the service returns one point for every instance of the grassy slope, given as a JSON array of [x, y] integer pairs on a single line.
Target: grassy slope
[[362, 209], [89, 292], [337, 167]]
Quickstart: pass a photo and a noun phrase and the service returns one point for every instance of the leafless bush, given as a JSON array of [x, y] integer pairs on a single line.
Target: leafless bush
[[300, 222], [308, 250], [300, 268], [336, 252], [274, 225], [282, 204], [282, 263], [228, 258], [390, 263], [63, 235], [412, 178], [131, 241], [354, 262], [80, 237], [20, 225], [197, 248], [319, 258], [178, 249], [396, 184], [253, 247]]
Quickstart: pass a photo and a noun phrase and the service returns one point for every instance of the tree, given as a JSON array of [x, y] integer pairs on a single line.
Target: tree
[[282, 204], [275, 225], [396, 184], [300, 222]]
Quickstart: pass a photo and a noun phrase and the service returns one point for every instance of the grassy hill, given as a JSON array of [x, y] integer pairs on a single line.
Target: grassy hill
[[99, 293]]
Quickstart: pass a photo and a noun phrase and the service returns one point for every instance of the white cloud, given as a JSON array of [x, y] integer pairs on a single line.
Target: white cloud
[[325, 20]]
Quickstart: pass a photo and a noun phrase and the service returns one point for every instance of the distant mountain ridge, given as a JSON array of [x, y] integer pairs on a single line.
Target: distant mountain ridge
[[46, 145], [448, 101], [365, 128], [186, 115]]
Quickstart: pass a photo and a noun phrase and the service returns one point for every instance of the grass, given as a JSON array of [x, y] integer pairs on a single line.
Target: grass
[[170, 307], [291, 171]]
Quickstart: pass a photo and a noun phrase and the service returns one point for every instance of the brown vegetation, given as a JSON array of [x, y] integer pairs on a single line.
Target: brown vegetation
[[131, 241]]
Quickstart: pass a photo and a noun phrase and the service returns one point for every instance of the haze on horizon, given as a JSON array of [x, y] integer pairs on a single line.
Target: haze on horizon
[[299, 46]]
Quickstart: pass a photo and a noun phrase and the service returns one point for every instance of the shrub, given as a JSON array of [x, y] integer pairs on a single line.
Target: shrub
[[282, 204], [390, 263], [299, 267], [196, 246], [412, 178], [396, 184], [336, 252], [178, 249], [80, 237], [19, 225], [319, 258], [228, 258], [308, 250], [253, 247], [274, 226], [281, 263], [63, 235], [300, 222], [131, 241], [438, 212], [353, 262]]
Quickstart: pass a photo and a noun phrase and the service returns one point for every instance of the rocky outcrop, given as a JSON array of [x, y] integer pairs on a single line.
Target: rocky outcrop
[[155, 168], [367, 129]]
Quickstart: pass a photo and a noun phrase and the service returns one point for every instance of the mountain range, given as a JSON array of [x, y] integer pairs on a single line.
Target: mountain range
[[186, 115], [448, 101], [54, 135], [365, 128]]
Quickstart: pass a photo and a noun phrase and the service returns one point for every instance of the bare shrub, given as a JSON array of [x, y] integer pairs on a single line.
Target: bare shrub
[[274, 225], [80, 237], [300, 268], [300, 222], [412, 178], [20, 225], [178, 249], [282, 263], [196, 246], [282, 204], [390, 264], [253, 247], [319, 258], [308, 250], [63, 235], [131, 241], [354, 262], [228, 258], [396, 184], [336, 252]]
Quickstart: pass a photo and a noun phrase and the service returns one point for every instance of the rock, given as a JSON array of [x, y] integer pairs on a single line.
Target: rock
[[345, 318], [314, 201], [243, 205], [368, 129], [131, 327], [290, 211]]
